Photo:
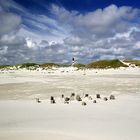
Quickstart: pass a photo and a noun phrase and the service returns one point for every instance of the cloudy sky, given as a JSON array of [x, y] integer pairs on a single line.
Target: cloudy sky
[[56, 30]]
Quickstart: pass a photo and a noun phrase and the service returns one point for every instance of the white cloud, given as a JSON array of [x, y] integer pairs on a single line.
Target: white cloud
[[101, 22], [30, 43], [43, 43], [9, 22], [107, 16], [12, 39], [125, 35], [137, 46], [3, 50], [74, 41]]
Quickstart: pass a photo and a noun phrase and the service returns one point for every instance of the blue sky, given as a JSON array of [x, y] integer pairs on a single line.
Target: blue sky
[[57, 30], [78, 5]]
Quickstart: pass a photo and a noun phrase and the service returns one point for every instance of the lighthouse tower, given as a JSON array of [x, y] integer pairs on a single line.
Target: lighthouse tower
[[73, 61]]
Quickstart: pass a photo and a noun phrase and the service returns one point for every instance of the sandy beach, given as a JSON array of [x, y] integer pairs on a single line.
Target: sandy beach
[[22, 118]]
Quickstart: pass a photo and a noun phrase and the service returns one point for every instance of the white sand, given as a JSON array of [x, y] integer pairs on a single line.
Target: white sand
[[24, 119]]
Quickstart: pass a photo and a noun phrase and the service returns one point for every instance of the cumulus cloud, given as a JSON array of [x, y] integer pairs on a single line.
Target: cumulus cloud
[[43, 43], [107, 16], [30, 43], [101, 22], [3, 50], [137, 46], [7, 25], [74, 41], [9, 22], [11, 39]]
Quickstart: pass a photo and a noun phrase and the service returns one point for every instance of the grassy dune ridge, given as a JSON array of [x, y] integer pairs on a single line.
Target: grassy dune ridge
[[104, 64], [136, 62], [101, 64]]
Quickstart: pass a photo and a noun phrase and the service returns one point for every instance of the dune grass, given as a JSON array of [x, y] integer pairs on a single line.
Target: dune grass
[[27, 65], [101, 64], [104, 64], [4, 66], [79, 66], [136, 62]]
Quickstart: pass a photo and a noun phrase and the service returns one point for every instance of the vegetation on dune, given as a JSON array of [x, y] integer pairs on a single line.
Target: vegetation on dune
[[101, 64], [27, 65], [64, 65], [135, 62], [4, 66], [33, 66], [79, 66], [49, 65], [104, 64]]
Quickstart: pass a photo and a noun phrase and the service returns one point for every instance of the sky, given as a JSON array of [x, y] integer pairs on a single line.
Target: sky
[[43, 31]]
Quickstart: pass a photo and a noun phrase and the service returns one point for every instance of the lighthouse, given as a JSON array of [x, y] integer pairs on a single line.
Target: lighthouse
[[73, 61]]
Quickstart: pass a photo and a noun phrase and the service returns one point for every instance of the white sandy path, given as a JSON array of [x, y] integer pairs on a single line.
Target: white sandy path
[[112, 120], [22, 75], [43, 86]]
